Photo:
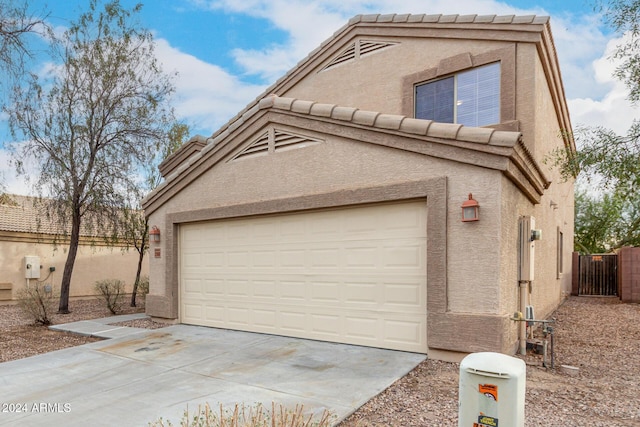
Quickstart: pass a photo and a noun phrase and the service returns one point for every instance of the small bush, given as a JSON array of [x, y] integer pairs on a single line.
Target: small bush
[[112, 291], [38, 301], [143, 287], [255, 416]]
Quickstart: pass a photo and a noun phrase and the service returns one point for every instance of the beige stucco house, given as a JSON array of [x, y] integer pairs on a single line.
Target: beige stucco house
[[29, 237], [330, 208]]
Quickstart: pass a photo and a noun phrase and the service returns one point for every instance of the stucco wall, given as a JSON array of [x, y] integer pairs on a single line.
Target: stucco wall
[[339, 163], [92, 263], [556, 211], [365, 83]]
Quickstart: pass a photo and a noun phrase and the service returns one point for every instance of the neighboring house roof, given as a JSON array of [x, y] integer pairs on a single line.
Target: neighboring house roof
[[26, 214], [484, 147], [21, 214]]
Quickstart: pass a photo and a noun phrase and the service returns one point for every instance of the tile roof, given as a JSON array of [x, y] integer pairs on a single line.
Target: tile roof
[[22, 214], [400, 123], [354, 116], [450, 19], [26, 214]]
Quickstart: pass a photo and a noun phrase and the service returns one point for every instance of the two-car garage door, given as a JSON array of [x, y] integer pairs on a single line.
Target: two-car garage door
[[354, 275]]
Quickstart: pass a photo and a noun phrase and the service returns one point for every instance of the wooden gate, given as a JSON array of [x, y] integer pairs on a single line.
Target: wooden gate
[[598, 275]]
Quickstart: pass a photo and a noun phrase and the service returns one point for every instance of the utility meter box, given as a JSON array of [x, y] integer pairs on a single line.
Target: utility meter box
[[32, 267], [492, 388]]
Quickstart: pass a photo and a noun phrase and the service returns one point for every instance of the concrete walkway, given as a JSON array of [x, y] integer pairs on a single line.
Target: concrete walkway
[[141, 375], [102, 328]]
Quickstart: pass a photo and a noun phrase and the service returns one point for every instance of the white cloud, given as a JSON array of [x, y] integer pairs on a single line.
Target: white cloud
[[613, 110], [578, 38], [206, 95], [11, 182]]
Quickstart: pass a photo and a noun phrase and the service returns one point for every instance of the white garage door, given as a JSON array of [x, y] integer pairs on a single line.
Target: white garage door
[[352, 275]]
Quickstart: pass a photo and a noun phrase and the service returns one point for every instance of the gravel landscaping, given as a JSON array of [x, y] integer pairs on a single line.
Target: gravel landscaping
[[599, 336]]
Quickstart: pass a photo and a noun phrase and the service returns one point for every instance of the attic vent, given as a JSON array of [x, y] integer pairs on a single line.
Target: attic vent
[[287, 141], [373, 46], [358, 49], [344, 56], [259, 147]]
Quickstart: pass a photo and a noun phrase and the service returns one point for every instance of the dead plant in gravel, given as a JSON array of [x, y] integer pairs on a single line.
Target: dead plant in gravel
[[253, 416], [38, 301], [112, 291]]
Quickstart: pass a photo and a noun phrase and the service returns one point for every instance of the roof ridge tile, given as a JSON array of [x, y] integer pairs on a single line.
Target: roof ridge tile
[[343, 113], [301, 106], [401, 17], [386, 18], [466, 19], [364, 117], [443, 130], [389, 121], [322, 110], [372, 17], [431, 18], [503, 19]]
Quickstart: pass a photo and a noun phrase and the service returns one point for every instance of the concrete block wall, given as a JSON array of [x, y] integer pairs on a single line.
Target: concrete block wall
[[629, 274]]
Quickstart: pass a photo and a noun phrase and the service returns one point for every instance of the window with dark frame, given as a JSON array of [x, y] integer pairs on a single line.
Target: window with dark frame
[[470, 98]]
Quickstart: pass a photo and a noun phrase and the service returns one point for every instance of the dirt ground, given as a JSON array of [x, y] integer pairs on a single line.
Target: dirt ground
[[19, 337], [599, 336]]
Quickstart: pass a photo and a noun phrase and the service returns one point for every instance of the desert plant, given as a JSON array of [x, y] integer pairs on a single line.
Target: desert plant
[[253, 416], [112, 291], [38, 301], [143, 287]]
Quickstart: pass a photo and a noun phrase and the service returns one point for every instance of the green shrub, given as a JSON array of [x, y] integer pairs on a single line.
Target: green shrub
[[38, 301], [255, 416], [143, 287], [112, 291]]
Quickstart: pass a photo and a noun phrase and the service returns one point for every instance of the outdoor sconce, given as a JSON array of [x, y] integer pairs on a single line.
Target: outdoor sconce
[[470, 210], [154, 234]]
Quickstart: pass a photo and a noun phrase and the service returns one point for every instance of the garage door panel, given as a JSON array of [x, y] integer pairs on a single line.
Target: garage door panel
[[408, 294], [213, 288], [214, 315], [403, 332], [355, 275]]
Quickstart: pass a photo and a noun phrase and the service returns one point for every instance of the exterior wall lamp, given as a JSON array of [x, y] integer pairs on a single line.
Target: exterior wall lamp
[[154, 234], [470, 210]]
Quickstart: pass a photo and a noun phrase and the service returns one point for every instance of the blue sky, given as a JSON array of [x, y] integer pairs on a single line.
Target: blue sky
[[227, 52]]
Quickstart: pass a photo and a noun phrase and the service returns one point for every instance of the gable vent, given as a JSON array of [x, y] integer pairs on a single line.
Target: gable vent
[[346, 55], [363, 47], [371, 46], [288, 141], [257, 148]]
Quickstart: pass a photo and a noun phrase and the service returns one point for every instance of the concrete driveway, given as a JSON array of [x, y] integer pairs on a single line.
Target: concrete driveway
[[144, 375]]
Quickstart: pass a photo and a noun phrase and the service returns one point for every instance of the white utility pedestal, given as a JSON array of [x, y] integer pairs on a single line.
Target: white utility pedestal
[[492, 387]]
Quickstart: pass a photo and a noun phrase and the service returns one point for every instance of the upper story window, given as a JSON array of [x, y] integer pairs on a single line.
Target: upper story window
[[470, 97]]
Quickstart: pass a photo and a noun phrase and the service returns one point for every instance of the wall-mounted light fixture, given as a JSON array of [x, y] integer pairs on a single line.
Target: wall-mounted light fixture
[[154, 234], [470, 210]]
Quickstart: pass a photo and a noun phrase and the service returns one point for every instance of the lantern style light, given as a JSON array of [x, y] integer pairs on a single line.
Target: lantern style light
[[470, 210], [154, 234]]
